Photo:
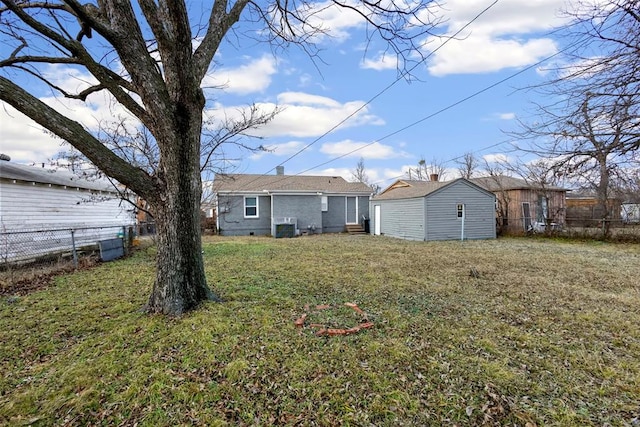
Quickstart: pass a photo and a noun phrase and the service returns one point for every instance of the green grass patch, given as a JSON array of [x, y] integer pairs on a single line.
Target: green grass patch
[[548, 334]]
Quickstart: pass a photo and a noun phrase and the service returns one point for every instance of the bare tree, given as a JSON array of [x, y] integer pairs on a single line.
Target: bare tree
[[467, 165], [590, 125], [495, 172], [359, 174], [604, 62], [435, 170], [145, 59], [587, 144]]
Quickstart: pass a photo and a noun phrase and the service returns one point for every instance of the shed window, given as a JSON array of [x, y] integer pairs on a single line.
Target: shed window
[[251, 207], [460, 208], [324, 203]]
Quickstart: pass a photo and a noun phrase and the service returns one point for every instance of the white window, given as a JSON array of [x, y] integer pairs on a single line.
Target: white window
[[324, 203], [251, 207]]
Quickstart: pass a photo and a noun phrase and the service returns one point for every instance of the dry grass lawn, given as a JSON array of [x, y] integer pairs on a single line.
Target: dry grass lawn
[[548, 333]]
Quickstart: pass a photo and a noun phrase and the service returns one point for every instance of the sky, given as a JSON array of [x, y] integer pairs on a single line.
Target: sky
[[350, 104]]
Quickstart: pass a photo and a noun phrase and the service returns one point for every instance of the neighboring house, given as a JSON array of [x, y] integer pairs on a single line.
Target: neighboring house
[[286, 205], [584, 210], [523, 206], [432, 210], [38, 200]]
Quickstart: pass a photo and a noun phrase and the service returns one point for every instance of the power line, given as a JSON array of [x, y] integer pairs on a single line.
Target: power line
[[400, 77], [451, 159], [448, 107], [380, 93]]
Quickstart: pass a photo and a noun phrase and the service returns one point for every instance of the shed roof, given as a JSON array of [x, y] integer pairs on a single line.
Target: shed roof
[[502, 182], [410, 189], [246, 183], [14, 171]]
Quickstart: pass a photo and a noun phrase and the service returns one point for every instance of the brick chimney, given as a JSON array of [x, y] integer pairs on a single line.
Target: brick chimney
[[433, 177]]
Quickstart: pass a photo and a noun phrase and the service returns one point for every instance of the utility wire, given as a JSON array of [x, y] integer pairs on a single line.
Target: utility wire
[[442, 110], [380, 93]]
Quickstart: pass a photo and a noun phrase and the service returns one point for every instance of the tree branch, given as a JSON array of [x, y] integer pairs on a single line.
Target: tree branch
[[76, 135]]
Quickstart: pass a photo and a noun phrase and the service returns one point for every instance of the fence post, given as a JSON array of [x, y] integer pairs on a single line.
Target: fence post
[[73, 247], [124, 239]]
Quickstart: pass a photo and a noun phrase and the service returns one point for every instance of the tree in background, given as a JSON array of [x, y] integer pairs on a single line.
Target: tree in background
[[589, 131], [495, 171], [150, 61], [359, 174], [467, 165], [427, 171]]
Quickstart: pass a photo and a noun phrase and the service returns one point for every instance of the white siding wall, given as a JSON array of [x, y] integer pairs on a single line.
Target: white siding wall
[[25, 206]]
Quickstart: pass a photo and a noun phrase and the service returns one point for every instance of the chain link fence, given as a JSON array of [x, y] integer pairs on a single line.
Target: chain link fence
[[578, 227], [27, 247]]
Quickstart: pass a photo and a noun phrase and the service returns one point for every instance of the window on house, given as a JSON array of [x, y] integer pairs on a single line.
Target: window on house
[[251, 207], [460, 208], [324, 203]]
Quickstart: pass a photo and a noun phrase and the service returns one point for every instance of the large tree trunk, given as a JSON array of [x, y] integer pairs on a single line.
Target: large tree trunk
[[180, 283]]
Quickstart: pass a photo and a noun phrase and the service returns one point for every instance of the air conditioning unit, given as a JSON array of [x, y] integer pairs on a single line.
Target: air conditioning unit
[[285, 227]]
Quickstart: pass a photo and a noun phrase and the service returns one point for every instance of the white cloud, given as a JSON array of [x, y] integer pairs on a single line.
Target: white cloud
[[381, 62], [303, 115], [345, 173], [506, 116], [506, 36], [27, 142], [357, 149], [284, 149], [301, 98], [333, 21], [482, 55], [496, 158], [255, 76], [69, 79], [24, 140]]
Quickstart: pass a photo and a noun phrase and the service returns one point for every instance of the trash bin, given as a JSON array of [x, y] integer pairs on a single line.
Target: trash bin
[[366, 225]]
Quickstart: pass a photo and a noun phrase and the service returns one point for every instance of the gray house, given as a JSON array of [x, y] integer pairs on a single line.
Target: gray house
[[287, 205], [432, 210]]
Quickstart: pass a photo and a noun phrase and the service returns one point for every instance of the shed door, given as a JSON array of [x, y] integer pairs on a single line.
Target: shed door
[[352, 210], [376, 218]]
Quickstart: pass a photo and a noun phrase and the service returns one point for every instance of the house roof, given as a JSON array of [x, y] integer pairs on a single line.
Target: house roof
[[251, 183], [502, 182], [14, 171], [410, 189]]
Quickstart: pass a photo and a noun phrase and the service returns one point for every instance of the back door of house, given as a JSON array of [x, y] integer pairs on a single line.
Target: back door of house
[[352, 210]]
